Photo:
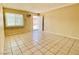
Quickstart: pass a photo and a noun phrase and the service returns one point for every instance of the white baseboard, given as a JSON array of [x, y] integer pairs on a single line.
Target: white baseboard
[[62, 35]]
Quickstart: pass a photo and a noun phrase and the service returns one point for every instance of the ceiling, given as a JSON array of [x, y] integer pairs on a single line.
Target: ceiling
[[35, 7]]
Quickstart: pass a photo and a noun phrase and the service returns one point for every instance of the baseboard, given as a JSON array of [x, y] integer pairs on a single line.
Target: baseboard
[[16, 34], [62, 35]]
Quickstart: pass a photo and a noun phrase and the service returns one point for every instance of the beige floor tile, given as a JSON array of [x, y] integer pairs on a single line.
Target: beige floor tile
[[37, 53], [46, 44], [49, 53]]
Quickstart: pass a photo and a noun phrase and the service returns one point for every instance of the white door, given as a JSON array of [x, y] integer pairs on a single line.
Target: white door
[[37, 23]]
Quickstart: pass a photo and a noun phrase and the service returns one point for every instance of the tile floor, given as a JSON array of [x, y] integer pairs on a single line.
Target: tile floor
[[40, 43]]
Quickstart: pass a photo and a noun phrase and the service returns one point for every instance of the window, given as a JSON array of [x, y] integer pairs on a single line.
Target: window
[[14, 20]]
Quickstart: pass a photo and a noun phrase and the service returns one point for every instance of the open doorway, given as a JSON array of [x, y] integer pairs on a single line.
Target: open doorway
[[37, 23]]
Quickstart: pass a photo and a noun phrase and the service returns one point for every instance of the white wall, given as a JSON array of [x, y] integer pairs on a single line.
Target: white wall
[[1, 31]]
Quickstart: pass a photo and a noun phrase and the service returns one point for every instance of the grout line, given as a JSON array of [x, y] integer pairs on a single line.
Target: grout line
[[62, 47], [54, 44], [32, 47], [11, 48], [71, 46], [50, 42], [18, 47], [26, 46]]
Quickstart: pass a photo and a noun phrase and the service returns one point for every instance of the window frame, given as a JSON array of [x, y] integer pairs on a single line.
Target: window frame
[[15, 26]]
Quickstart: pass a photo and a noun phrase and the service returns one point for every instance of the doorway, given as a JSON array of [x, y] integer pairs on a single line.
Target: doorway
[[37, 23]]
